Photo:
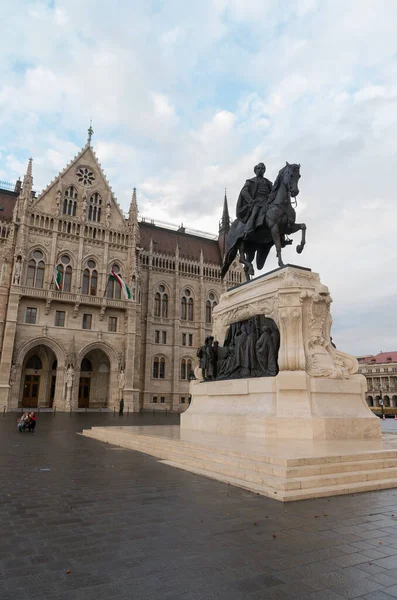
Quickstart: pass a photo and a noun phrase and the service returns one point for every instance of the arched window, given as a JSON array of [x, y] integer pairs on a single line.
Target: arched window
[[187, 306], [209, 307], [90, 279], [186, 368], [65, 271], [190, 309], [164, 306], [162, 368], [208, 312], [157, 304], [159, 368], [156, 368], [34, 362], [183, 309], [189, 369], [36, 268], [94, 211], [86, 365], [183, 368], [70, 201], [161, 303], [113, 289]]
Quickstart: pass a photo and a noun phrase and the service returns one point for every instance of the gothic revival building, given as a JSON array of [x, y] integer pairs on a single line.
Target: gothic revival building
[[69, 335]]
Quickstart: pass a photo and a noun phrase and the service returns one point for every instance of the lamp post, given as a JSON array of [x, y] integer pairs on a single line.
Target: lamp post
[[381, 402]]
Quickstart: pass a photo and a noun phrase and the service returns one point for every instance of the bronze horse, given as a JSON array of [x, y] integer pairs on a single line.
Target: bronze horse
[[276, 221]]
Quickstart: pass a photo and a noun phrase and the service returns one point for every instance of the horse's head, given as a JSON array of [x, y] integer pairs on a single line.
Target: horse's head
[[291, 176]]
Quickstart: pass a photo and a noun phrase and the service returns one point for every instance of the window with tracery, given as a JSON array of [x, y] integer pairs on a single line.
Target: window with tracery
[[113, 289], [159, 368], [209, 307], [35, 270], [94, 211], [161, 303], [70, 201], [85, 176], [65, 271], [186, 368], [90, 279], [187, 312]]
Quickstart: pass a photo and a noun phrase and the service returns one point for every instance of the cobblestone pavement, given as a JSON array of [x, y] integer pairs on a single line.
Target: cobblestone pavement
[[82, 520]]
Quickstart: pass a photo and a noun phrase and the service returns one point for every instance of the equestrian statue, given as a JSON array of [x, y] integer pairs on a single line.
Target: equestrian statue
[[265, 217]]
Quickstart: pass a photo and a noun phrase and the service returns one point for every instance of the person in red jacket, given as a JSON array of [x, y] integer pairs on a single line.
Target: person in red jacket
[[32, 421]]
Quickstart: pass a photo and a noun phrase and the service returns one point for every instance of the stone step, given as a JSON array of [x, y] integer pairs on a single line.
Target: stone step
[[284, 483], [317, 461], [291, 495], [166, 448], [252, 471], [295, 467], [326, 476]]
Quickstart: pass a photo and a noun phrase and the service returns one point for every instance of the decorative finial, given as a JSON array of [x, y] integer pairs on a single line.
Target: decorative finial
[[90, 132]]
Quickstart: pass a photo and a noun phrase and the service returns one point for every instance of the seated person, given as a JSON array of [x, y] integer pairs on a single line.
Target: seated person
[[23, 421], [32, 421]]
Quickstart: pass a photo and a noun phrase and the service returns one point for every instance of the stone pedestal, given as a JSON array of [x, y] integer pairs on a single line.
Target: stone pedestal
[[317, 395], [305, 433]]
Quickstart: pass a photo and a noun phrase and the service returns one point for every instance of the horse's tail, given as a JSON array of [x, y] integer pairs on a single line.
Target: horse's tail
[[229, 258]]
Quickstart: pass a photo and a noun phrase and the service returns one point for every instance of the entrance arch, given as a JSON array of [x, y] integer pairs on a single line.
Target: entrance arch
[[94, 380], [38, 378]]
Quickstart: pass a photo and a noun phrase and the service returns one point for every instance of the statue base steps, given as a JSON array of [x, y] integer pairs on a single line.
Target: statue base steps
[[292, 405], [282, 470]]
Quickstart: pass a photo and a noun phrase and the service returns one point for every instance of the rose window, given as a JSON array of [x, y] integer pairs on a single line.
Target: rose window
[[85, 176]]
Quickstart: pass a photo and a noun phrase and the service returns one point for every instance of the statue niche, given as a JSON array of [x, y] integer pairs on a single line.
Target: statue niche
[[250, 350]]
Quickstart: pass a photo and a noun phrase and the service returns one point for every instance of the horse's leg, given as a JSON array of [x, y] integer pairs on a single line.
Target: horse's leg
[[275, 231], [293, 229], [300, 246], [248, 268]]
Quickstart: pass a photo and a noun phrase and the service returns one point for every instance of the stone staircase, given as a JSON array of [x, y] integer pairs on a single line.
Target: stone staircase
[[284, 479]]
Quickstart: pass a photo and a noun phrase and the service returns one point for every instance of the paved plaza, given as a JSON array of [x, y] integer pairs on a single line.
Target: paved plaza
[[82, 520]]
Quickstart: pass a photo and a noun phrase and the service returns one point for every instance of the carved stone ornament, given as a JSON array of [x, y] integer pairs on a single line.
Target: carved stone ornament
[[76, 310], [300, 306]]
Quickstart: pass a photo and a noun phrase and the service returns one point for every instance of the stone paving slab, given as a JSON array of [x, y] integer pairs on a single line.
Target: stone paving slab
[[129, 527]]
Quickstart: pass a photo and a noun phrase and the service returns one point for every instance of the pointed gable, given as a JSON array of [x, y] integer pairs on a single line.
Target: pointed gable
[[83, 185]]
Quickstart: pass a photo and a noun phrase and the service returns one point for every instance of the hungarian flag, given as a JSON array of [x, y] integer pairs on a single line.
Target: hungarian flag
[[58, 277], [123, 286]]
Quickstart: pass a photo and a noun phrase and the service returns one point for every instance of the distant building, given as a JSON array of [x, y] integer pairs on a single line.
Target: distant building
[[381, 374], [69, 336]]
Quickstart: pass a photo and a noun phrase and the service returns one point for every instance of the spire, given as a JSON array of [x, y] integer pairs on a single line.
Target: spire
[[133, 213], [90, 132], [224, 223], [26, 192]]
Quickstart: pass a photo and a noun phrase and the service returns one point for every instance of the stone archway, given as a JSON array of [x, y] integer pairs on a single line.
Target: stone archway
[[38, 375], [394, 401], [370, 401], [38, 378], [386, 401], [96, 377]]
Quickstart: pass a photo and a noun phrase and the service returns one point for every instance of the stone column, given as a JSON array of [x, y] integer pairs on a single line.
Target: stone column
[[131, 395], [8, 345]]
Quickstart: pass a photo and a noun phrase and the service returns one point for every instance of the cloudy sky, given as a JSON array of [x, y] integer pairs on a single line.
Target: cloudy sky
[[186, 97]]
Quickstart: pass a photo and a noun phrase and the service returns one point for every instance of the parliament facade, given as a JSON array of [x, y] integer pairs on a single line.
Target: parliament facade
[[96, 306]]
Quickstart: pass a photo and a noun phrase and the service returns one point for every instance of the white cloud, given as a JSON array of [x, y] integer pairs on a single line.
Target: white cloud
[[186, 98]]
